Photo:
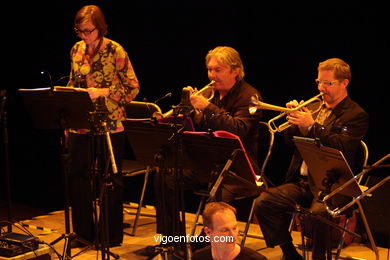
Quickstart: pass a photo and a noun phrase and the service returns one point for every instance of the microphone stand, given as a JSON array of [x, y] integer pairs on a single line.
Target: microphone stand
[[43, 72], [184, 108], [4, 131], [98, 121], [168, 95]]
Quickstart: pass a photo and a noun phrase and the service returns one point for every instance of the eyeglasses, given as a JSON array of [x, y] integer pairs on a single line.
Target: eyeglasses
[[325, 82], [86, 32]]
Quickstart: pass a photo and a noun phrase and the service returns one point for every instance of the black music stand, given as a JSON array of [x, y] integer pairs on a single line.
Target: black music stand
[[332, 175], [156, 144], [327, 167], [225, 153], [59, 110], [153, 145], [151, 140]]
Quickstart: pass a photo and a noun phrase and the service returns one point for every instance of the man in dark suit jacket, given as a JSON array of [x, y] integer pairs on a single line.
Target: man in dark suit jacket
[[228, 110], [339, 123]]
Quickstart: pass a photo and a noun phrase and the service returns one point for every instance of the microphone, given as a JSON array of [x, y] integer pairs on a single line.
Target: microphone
[[168, 95], [45, 72], [185, 97], [185, 107]]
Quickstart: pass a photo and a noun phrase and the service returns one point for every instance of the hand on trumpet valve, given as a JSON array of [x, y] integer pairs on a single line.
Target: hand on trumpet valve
[[190, 89], [199, 102], [301, 117], [293, 104]]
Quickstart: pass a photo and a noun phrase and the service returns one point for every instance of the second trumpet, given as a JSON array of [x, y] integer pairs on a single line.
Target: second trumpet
[[257, 104]]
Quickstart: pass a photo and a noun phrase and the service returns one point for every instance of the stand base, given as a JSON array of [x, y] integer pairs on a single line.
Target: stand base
[[68, 238], [106, 253]]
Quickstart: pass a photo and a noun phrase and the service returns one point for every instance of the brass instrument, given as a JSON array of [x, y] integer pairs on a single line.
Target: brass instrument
[[207, 91], [365, 192], [257, 104]]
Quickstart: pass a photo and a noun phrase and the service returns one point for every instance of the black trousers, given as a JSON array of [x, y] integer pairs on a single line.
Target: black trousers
[[86, 185], [166, 184], [274, 208]]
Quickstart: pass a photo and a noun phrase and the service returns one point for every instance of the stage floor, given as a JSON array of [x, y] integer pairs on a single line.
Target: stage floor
[[51, 226]]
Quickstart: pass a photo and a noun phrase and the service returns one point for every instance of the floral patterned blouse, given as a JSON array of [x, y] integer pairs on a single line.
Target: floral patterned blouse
[[111, 68]]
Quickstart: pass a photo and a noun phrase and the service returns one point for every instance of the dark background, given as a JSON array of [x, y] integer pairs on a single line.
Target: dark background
[[280, 45]]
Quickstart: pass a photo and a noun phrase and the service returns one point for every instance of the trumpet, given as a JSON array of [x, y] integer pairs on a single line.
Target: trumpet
[[257, 104], [207, 91]]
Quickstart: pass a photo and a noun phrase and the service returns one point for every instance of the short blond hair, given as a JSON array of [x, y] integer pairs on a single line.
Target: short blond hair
[[340, 68], [229, 57]]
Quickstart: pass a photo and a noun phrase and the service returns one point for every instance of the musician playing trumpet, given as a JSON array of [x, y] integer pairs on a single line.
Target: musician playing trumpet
[[339, 123], [228, 110]]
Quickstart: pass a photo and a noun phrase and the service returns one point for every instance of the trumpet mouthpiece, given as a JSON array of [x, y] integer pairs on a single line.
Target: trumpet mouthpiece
[[253, 104], [254, 99]]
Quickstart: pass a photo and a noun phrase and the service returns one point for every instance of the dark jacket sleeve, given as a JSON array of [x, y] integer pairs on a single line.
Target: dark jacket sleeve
[[235, 117], [342, 130]]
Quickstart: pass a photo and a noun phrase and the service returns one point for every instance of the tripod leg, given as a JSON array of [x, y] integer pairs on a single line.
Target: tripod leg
[[368, 230], [107, 183], [68, 236], [140, 202], [5, 151]]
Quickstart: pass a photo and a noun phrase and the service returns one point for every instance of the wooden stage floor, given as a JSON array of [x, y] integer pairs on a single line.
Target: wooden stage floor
[[54, 226]]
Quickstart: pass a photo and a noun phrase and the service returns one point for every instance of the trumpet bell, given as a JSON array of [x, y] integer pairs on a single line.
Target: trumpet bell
[[257, 104], [253, 104]]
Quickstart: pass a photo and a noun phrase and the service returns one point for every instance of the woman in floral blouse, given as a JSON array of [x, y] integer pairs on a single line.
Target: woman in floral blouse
[[102, 67]]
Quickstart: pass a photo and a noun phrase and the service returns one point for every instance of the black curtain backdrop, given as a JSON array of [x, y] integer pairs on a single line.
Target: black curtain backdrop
[[280, 45]]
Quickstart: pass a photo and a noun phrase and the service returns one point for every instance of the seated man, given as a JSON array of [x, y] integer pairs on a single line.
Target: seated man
[[340, 123], [228, 110], [220, 225]]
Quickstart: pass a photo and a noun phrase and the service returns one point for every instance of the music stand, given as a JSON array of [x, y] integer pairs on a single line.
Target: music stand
[[324, 163], [222, 151], [59, 110], [153, 145], [156, 144], [149, 138], [332, 175]]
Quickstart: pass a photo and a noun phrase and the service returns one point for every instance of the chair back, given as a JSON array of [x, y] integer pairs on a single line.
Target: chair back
[[139, 110], [365, 152], [265, 143], [361, 159]]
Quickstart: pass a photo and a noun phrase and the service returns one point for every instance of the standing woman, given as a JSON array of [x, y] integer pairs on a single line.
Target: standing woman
[[102, 67]]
